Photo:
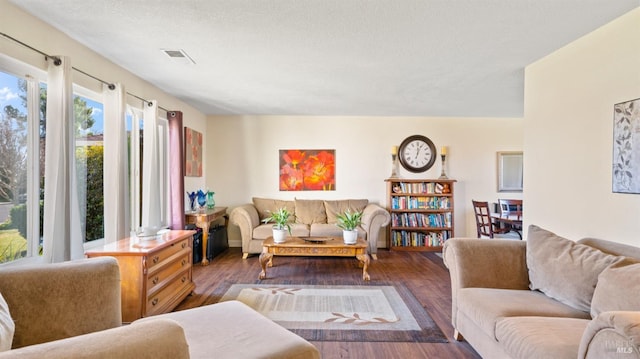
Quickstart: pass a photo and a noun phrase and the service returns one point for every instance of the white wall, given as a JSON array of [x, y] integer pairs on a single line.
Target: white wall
[[569, 98], [30, 30], [242, 157]]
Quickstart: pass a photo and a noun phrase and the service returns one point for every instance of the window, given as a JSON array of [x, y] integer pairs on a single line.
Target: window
[[135, 127], [89, 140], [22, 126]]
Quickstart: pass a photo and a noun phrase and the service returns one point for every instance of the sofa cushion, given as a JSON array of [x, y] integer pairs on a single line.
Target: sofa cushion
[[7, 327], [563, 269], [618, 288], [309, 211], [331, 230], [265, 231], [334, 208], [540, 337], [485, 306], [233, 330], [266, 206]]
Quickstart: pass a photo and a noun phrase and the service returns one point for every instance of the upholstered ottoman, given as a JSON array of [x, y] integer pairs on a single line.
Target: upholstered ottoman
[[234, 330]]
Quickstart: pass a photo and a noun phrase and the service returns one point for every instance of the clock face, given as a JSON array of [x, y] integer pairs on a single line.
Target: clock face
[[417, 153]]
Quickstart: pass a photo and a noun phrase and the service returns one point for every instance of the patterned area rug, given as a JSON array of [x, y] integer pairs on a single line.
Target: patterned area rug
[[372, 313]]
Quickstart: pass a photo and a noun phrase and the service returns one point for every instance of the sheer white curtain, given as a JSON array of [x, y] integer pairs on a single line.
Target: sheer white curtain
[[62, 232], [33, 166], [151, 174], [116, 166]]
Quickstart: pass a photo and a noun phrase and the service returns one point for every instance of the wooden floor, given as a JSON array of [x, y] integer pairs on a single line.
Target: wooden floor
[[423, 273]]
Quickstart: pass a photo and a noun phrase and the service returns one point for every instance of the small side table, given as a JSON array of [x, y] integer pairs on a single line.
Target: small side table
[[202, 219]]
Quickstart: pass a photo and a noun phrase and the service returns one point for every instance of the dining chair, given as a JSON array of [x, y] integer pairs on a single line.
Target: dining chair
[[484, 224]]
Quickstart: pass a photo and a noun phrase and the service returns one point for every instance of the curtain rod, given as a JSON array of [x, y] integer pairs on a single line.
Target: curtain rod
[[57, 62]]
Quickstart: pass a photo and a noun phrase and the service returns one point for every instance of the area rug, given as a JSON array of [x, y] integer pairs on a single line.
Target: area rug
[[372, 313]]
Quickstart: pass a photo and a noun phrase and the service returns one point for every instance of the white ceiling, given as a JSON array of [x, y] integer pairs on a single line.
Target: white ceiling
[[333, 57]]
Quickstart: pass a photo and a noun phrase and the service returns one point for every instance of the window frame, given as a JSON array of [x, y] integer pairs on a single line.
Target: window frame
[[135, 175], [80, 90], [28, 72]]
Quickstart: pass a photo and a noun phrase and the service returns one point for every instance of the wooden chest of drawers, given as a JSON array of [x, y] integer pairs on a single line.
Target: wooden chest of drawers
[[155, 274]]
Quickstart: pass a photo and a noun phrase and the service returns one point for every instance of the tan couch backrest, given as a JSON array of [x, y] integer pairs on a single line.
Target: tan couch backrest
[[614, 248]]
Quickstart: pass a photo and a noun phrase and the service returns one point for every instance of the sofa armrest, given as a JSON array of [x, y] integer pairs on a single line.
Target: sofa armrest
[[158, 339], [55, 301], [246, 218], [612, 334], [374, 218], [484, 263]]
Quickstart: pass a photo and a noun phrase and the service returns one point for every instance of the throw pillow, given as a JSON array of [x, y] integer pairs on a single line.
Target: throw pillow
[[336, 207], [310, 211], [7, 327], [267, 205], [618, 288], [564, 270]]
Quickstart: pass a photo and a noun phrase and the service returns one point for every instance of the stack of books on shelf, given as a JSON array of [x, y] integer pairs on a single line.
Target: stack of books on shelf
[[419, 239], [421, 187], [433, 220], [420, 202]]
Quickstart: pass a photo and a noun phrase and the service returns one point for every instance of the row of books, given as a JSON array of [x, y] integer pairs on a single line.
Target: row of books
[[420, 187], [419, 239], [420, 202], [437, 220]]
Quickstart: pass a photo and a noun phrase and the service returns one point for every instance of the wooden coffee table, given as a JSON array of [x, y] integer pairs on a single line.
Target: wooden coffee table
[[314, 247]]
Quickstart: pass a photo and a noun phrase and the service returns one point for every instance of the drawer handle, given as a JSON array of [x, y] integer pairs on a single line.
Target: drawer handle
[[156, 259], [184, 279], [155, 280], [154, 301], [184, 245], [184, 261]]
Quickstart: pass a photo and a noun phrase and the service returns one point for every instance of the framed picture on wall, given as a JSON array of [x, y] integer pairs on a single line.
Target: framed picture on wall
[[626, 147], [510, 171], [192, 153], [307, 170]]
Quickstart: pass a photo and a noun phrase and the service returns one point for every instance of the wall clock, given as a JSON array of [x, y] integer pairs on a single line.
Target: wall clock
[[417, 153]]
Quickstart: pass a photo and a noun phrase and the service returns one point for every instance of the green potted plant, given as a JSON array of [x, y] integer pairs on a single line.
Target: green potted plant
[[349, 222], [281, 226]]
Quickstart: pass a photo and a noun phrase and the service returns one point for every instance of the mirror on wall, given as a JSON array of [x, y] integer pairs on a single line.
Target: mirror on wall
[[510, 171]]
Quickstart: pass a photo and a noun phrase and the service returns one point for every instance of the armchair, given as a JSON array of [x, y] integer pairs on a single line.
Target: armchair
[[73, 310]]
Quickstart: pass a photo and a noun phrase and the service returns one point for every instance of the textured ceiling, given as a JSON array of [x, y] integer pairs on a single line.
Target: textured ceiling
[[333, 57]]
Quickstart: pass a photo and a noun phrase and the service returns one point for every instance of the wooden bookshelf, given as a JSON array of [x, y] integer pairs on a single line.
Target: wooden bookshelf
[[421, 213]]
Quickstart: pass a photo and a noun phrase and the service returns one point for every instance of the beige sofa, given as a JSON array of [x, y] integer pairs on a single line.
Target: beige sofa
[[547, 297], [310, 218], [72, 310]]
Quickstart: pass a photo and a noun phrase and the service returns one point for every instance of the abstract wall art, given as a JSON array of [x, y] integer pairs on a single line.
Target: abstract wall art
[[626, 147], [192, 153]]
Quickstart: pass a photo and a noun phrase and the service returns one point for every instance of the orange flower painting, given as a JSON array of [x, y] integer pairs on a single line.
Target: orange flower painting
[[307, 170]]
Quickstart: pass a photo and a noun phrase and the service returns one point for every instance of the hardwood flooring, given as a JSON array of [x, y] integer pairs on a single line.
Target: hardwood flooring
[[423, 273]]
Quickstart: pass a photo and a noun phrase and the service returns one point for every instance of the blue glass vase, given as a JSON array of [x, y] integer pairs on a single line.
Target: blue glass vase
[[202, 198], [192, 200]]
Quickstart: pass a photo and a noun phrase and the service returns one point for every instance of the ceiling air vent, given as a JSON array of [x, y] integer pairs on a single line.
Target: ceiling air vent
[[179, 56]]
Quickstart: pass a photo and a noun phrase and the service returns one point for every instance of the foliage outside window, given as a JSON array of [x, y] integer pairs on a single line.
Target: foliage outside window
[[18, 238]]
